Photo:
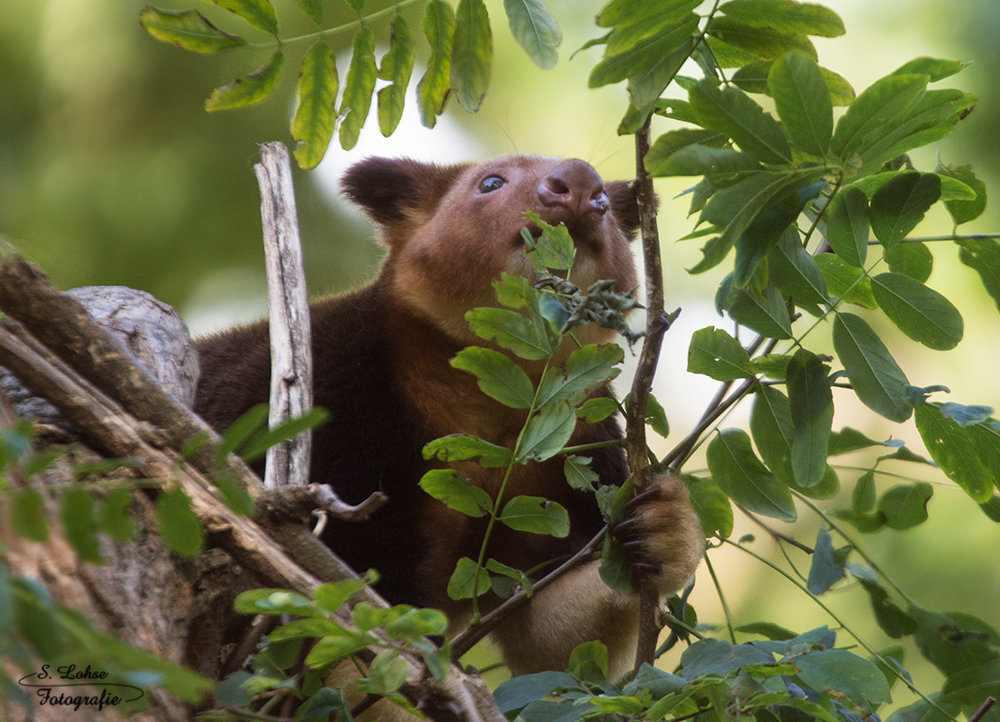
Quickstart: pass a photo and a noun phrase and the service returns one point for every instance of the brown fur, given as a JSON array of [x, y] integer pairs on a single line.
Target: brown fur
[[381, 367]]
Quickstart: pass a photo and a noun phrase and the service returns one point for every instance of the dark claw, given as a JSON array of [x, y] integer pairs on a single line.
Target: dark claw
[[645, 497], [634, 548], [626, 528]]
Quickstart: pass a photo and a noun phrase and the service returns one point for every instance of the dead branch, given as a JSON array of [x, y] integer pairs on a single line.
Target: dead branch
[[291, 335]]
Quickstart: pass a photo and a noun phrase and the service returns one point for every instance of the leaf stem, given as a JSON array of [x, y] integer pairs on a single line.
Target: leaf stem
[[722, 598], [329, 32]]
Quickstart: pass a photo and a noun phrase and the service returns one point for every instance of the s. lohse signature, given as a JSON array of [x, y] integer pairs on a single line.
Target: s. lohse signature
[[47, 682]]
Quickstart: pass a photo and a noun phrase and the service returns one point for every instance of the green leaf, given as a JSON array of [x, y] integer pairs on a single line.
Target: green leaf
[[554, 247], [794, 271], [76, 511], [748, 41], [811, 403], [788, 16], [463, 583], [589, 661], [356, 5], [509, 329], [471, 54], [332, 596], [848, 283], [578, 473], [767, 316], [983, 255], [771, 426], [597, 409], [920, 312], [187, 29], [744, 479], [954, 642], [627, 59], [249, 89], [847, 440], [315, 105], [387, 672], [498, 377], [259, 13], [454, 491], [584, 370], [827, 567], [177, 523], [27, 515], [970, 687], [397, 66], [899, 205], [711, 505], [537, 515], [952, 448], [313, 9], [986, 439], [547, 432], [534, 28], [963, 211], [844, 673], [112, 516], [698, 160], [358, 88], [863, 496], [905, 506], [847, 226], [672, 141], [461, 447], [716, 354], [874, 112], [875, 376], [433, 88], [803, 102], [734, 113], [936, 68], [910, 259], [257, 447]]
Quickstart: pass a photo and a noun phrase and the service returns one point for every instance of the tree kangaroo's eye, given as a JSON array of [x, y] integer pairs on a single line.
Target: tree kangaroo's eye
[[491, 184]]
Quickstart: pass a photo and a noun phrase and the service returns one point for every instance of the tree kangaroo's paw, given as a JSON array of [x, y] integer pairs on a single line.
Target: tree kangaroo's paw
[[662, 534]]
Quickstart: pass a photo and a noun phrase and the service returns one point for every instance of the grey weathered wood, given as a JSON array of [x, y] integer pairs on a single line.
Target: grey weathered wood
[[288, 300]]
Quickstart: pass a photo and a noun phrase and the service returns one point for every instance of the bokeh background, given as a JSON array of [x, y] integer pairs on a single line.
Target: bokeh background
[[111, 172]]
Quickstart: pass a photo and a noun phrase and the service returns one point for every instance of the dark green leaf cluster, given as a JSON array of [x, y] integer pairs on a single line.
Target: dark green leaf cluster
[[314, 627], [461, 58]]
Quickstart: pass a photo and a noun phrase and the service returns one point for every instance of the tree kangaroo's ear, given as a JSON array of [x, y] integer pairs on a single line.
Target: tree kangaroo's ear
[[624, 206], [386, 188]]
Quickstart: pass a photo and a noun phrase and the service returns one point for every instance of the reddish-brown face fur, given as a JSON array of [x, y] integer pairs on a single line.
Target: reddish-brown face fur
[[449, 240]]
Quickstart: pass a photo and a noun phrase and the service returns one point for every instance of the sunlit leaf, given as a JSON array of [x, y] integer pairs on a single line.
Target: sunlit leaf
[[711, 505], [848, 283], [767, 316], [936, 68], [634, 59], [744, 479], [313, 9], [534, 28], [787, 15], [963, 211], [512, 331], [259, 13], [249, 89], [875, 376], [756, 41], [358, 88], [432, 90], [315, 105], [920, 312], [771, 426], [794, 271], [186, 29], [471, 54], [464, 583], [396, 66]]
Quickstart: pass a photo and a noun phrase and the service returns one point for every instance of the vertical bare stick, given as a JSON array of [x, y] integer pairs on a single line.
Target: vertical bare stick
[[291, 337], [635, 418]]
